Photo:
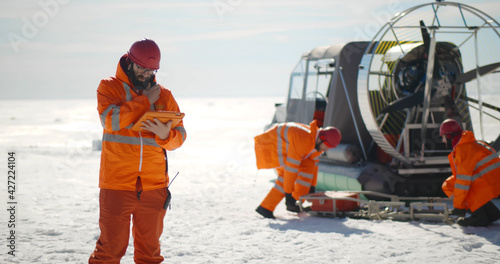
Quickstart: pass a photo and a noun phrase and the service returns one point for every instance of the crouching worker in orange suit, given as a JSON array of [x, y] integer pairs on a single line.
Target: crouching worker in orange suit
[[133, 175], [293, 149], [476, 176]]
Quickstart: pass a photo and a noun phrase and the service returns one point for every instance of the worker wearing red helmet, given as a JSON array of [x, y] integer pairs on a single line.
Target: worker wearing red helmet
[[133, 176], [476, 176], [292, 149]]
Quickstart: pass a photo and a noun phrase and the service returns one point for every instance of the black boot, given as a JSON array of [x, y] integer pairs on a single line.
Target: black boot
[[291, 203], [264, 212], [477, 218], [491, 211]]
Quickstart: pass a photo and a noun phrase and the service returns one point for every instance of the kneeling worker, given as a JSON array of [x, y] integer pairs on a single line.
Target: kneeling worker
[[476, 176], [292, 149]]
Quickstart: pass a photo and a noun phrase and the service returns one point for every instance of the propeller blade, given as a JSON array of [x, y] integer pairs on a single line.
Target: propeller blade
[[490, 106], [405, 102], [426, 37], [471, 75]]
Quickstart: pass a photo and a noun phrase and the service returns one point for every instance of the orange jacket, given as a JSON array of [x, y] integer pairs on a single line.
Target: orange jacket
[[476, 173], [291, 146], [127, 154]]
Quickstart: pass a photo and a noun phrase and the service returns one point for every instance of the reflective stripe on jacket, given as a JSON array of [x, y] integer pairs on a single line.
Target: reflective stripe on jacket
[[290, 146], [127, 154], [476, 173]]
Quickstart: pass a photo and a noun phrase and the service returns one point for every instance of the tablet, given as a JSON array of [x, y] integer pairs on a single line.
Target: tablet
[[163, 116]]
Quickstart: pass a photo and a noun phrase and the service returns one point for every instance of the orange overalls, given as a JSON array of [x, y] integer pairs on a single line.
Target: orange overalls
[[290, 149], [476, 173], [133, 176]]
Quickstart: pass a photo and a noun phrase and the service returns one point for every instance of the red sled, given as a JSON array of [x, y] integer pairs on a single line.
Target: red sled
[[333, 202]]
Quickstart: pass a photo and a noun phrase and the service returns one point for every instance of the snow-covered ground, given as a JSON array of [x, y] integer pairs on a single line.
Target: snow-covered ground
[[214, 197]]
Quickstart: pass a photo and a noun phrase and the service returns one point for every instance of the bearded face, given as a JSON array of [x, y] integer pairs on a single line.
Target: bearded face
[[139, 78], [451, 140], [320, 146], [447, 141], [317, 147]]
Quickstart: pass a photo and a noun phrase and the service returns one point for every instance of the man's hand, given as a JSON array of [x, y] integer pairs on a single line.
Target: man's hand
[[153, 93], [162, 130]]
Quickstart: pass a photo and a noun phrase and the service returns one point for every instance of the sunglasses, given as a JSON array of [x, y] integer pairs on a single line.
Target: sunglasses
[[145, 70]]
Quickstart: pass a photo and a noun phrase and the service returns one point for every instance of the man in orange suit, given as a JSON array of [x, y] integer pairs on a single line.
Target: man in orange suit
[[292, 149], [133, 176], [476, 176]]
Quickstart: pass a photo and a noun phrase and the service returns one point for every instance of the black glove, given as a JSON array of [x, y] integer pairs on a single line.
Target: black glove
[[312, 189], [167, 201], [458, 212]]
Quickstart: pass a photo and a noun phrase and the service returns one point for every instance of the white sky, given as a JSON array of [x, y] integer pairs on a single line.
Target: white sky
[[63, 48]]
